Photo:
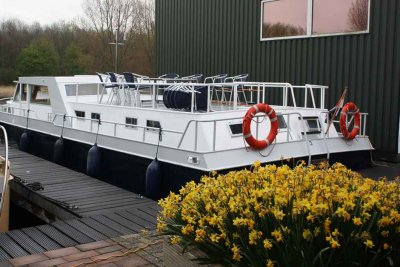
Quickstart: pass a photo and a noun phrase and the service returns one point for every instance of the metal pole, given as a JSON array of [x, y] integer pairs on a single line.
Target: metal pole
[[116, 51], [116, 43]]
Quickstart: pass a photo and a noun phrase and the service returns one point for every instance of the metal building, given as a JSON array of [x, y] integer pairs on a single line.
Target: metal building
[[232, 36]]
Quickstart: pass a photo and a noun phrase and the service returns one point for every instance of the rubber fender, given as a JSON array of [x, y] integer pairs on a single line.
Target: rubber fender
[[153, 180], [58, 150], [93, 166], [24, 141]]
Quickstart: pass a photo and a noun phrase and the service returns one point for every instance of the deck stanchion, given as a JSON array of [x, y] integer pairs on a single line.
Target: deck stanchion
[[192, 105]]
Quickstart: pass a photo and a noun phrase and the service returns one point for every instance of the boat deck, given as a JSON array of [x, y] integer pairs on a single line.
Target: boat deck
[[85, 209]]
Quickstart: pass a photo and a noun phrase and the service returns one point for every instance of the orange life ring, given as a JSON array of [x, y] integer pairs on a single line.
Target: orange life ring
[[343, 117], [270, 112]]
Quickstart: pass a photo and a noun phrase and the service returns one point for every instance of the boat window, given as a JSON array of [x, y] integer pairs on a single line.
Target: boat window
[[236, 129], [312, 124], [95, 116], [83, 89], [153, 124], [40, 95], [80, 114], [130, 122], [281, 122], [24, 92], [17, 92], [311, 18]]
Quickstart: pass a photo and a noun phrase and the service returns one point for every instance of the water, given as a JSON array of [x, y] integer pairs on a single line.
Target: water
[[21, 218]]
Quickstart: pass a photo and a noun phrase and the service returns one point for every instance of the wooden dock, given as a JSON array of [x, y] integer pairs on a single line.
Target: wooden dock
[[80, 209]]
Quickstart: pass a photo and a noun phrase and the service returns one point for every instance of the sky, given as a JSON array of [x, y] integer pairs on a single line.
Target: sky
[[42, 11], [330, 15]]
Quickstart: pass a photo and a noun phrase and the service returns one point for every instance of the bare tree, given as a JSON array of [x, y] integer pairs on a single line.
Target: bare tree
[[358, 15], [133, 19]]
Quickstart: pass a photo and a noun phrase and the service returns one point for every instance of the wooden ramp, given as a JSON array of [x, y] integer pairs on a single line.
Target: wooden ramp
[[84, 209]]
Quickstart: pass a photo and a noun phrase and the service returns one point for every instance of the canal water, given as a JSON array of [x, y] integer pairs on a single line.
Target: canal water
[[20, 218]]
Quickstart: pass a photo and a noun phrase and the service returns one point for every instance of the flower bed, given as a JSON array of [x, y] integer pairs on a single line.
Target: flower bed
[[278, 216]]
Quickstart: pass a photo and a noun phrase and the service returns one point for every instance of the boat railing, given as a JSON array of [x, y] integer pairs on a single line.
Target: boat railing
[[185, 132], [215, 121], [4, 179], [196, 123], [114, 124], [253, 92], [363, 122]]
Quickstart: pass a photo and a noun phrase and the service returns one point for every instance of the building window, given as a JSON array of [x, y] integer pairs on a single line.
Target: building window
[[283, 18], [95, 116], [80, 114], [310, 18], [130, 122]]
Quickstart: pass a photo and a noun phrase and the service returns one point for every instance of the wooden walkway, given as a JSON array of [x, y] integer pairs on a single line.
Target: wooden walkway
[[86, 209]]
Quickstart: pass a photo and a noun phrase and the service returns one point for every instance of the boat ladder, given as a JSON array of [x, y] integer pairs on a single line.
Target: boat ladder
[[309, 142]]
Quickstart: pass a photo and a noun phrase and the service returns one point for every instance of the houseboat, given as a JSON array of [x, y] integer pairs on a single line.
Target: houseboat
[[191, 127]]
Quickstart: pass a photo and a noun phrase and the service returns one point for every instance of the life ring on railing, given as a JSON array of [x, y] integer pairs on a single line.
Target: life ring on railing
[[270, 112], [350, 107]]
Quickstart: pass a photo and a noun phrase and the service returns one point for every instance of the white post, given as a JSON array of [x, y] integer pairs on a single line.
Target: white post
[[76, 93], [208, 99], [192, 108], [154, 97], [235, 97]]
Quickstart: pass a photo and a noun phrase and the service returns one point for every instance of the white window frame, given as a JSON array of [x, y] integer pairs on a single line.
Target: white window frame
[[309, 24]]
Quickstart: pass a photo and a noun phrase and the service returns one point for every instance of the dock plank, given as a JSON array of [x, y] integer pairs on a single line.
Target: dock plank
[[87, 230], [26, 242], [42, 239], [101, 228], [112, 224], [11, 247], [79, 237], [104, 210], [57, 236], [3, 255]]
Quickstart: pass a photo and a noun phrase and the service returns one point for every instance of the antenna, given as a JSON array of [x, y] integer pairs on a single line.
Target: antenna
[[116, 43]]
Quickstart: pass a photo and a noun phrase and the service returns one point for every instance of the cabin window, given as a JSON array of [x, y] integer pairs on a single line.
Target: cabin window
[[83, 89], [17, 92], [24, 92], [153, 124], [40, 95], [130, 122], [236, 129], [312, 124], [80, 114], [95, 116], [311, 18], [281, 122]]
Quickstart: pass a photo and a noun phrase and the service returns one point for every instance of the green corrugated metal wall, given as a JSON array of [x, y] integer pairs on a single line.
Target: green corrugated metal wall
[[223, 36]]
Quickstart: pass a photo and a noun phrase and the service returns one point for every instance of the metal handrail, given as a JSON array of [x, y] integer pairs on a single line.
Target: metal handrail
[[261, 86], [114, 123], [6, 169], [235, 118], [363, 122]]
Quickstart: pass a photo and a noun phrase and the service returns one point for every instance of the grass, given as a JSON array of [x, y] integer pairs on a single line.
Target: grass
[[6, 91]]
